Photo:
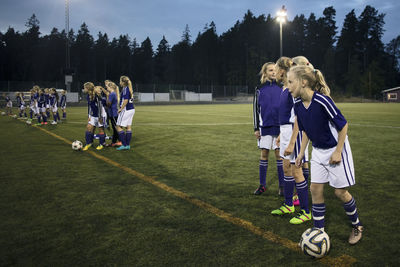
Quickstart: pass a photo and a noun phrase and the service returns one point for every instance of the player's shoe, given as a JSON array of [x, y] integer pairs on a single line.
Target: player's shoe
[[261, 189], [301, 217], [128, 147], [121, 148], [356, 234], [281, 192], [86, 147], [296, 201], [45, 123], [99, 147], [53, 123], [284, 209]]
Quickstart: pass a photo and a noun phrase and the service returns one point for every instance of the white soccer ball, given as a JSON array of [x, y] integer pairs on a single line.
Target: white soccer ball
[[28, 122], [3, 113], [315, 242], [14, 116], [77, 145]]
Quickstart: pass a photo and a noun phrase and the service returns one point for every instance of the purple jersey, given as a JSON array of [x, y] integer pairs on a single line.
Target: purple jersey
[[126, 95], [286, 112], [321, 120]]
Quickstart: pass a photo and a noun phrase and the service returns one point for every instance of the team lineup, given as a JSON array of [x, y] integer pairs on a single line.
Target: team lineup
[[291, 107]]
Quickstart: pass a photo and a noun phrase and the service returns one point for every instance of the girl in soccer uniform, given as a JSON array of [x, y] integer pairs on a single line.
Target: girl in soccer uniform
[[332, 162], [63, 104], [112, 103], [97, 116], [21, 104], [293, 176], [125, 113], [54, 105], [47, 101], [42, 107], [8, 104], [266, 123]]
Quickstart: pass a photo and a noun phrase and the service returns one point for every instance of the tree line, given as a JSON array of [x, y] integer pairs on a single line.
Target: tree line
[[355, 61]]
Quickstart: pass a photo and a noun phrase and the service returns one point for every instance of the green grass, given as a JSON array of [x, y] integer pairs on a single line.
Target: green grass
[[60, 207]]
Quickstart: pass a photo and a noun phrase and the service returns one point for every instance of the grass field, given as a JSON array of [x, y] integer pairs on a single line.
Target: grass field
[[184, 194]]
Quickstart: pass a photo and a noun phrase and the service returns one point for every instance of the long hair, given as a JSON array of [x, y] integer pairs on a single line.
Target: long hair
[[89, 87], [301, 60], [263, 72], [314, 77], [127, 82], [115, 87], [55, 93], [284, 63]]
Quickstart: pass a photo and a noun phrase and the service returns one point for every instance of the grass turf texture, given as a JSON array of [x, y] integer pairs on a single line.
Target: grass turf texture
[[61, 207]]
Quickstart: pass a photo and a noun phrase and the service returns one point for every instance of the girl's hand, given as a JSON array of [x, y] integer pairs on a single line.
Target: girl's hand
[[257, 134], [299, 159], [288, 150], [336, 158]]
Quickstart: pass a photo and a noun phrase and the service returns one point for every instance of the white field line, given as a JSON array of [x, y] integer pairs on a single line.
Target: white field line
[[177, 124], [198, 113]]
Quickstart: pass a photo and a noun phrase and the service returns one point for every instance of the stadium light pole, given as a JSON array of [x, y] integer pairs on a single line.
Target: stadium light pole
[[281, 17], [67, 72]]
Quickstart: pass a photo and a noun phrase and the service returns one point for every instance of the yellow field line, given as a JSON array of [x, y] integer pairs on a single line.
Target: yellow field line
[[343, 260]]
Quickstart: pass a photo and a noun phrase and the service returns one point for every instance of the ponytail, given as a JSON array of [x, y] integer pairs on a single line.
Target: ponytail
[[127, 82], [320, 83], [314, 78]]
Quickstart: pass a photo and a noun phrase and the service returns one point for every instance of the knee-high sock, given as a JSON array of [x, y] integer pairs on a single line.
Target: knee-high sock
[[288, 188], [88, 137], [128, 137], [318, 213], [102, 139], [306, 173], [279, 166], [64, 115], [302, 192], [263, 168], [351, 211], [122, 138]]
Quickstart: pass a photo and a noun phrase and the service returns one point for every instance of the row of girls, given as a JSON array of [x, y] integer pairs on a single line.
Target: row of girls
[[291, 107], [108, 104], [42, 103]]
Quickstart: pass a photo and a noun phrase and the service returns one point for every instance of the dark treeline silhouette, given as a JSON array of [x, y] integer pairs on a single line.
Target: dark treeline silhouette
[[355, 61]]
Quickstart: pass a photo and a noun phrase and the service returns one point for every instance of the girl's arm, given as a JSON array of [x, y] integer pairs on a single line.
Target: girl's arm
[[295, 132], [336, 157], [304, 143], [124, 103]]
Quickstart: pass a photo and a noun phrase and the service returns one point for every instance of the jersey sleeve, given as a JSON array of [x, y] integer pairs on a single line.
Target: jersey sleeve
[[256, 111]]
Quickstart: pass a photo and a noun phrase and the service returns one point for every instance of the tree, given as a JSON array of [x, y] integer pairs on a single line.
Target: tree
[[82, 54], [161, 61]]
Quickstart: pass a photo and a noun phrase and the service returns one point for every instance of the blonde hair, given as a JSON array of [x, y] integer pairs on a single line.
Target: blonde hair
[[127, 82], [284, 63], [98, 90], [314, 77], [263, 71], [301, 60], [115, 87], [89, 87]]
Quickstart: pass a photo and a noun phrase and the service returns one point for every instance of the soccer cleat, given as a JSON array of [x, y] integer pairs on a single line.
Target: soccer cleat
[[281, 192], [86, 147], [284, 209], [127, 147], [356, 234], [53, 122], [296, 201], [99, 147], [261, 189], [301, 217], [121, 148]]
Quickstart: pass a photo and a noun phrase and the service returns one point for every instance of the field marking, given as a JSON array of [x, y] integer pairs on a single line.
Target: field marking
[[179, 124], [374, 126], [197, 113], [344, 260]]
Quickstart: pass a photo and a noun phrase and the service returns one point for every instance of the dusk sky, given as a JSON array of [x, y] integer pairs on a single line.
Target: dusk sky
[[155, 18]]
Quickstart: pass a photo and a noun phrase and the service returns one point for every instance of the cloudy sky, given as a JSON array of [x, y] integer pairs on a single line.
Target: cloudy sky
[[155, 18]]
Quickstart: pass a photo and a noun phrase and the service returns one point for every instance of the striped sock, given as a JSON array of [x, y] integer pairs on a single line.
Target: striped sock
[[351, 211], [306, 173], [288, 188], [279, 166], [318, 213], [263, 167], [302, 192]]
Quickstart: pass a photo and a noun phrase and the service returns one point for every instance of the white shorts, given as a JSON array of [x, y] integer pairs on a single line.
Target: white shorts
[[54, 109], [96, 122], [42, 109], [22, 107], [267, 142], [285, 136], [47, 106], [9, 104], [340, 175], [125, 117]]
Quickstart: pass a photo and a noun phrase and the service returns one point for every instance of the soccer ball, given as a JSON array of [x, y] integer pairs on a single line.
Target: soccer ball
[[14, 116], [28, 122], [315, 242], [3, 113], [77, 145]]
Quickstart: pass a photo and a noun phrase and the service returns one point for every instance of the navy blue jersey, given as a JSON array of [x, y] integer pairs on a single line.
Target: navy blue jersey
[[53, 100], [266, 108], [94, 106], [46, 99], [63, 101], [18, 101], [112, 99], [126, 95], [8, 99], [286, 112], [41, 101], [321, 120]]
